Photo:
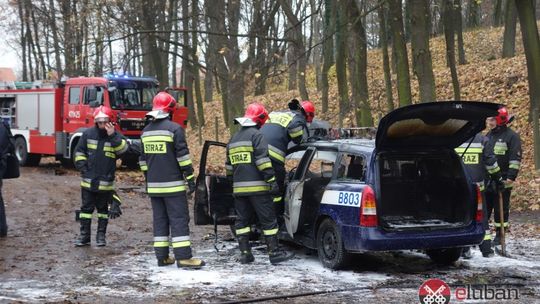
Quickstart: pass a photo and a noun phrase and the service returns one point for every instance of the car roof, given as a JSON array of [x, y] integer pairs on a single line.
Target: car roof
[[352, 145]]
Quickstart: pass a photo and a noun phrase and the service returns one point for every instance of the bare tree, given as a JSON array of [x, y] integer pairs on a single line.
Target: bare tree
[[402, 62], [450, 46], [509, 36], [383, 28]]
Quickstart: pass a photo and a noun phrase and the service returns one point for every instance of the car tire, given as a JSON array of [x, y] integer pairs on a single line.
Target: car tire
[[445, 256], [330, 249]]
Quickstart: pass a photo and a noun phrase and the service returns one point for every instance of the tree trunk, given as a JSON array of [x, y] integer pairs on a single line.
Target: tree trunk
[[317, 50], [459, 29], [386, 62], [328, 49], [531, 45], [402, 62], [341, 55], [421, 58], [497, 13], [299, 47], [509, 36], [473, 13], [358, 75], [195, 58], [450, 47], [38, 47], [186, 65], [175, 46], [56, 41]]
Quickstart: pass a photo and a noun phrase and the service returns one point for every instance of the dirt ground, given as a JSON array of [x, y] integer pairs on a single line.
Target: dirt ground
[[38, 262]]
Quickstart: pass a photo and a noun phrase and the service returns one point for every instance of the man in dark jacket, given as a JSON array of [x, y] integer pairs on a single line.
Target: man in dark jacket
[[282, 129], [507, 148], [478, 158], [166, 162], [6, 147], [95, 158], [254, 182]]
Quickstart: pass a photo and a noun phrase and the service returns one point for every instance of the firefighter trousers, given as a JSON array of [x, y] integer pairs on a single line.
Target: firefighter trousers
[[262, 206], [3, 221], [492, 199], [95, 200], [171, 215], [279, 171]]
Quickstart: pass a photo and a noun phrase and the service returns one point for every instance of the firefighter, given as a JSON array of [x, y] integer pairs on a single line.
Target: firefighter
[[166, 162], [281, 129], [95, 158], [6, 147], [478, 158], [507, 148], [254, 183]]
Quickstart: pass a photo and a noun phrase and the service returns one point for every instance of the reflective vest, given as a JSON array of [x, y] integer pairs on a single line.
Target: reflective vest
[[507, 148], [248, 162], [478, 158], [95, 157], [165, 158], [282, 128]]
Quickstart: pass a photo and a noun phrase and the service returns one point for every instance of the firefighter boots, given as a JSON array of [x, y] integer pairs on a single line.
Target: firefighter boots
[[485, 248], [101, 230], [275, 253], [165, 262], [192, 263], [246, 256], [84, 237]]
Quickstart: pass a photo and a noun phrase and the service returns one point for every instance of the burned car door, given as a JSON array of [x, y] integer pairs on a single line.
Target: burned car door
[[214, 202], [295, 189]]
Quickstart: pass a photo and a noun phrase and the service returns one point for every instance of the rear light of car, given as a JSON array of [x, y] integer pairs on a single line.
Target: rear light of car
[[479, 208], [368, 209]]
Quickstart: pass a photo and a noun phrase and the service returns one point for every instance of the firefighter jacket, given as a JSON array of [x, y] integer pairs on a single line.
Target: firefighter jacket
[[280, 129], [478, 157], [248, 162], [95, 158], [165, 158], [507, 148]]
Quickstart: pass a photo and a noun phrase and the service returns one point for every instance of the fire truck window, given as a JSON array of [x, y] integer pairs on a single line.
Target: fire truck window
[[99, 97], [74, 95], [351, 167]]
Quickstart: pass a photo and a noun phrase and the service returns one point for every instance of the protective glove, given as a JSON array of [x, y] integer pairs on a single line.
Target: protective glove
[[274, 189], [114, 210], [191, 185], [500, 184]]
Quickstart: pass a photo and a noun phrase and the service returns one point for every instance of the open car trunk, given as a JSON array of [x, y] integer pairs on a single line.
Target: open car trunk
[[423, 190]]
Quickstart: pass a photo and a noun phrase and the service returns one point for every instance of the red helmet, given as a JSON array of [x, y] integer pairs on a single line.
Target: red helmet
[[165, 102], [103, 114], [257, 113], [309, 109], [502, 117]]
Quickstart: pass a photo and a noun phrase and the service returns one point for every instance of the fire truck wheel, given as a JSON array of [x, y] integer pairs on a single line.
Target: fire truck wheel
[[25, 158]]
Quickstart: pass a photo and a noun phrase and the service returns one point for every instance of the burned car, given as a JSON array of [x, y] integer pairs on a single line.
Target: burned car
[[405, 189]]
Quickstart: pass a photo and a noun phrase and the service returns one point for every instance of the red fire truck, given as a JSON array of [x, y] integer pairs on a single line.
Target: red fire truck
[[50, 121]]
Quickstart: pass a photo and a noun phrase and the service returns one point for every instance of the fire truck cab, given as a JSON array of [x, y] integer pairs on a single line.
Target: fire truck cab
[[50, 121]]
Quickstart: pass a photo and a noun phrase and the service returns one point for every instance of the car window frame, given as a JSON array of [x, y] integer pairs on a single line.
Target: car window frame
[[342, 154]]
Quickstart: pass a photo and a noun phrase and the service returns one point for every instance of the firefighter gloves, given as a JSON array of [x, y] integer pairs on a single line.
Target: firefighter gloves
[[274, 188], [114, 210], [191, 186]]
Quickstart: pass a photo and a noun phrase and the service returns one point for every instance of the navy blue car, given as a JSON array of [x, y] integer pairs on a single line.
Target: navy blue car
[[404, 189]]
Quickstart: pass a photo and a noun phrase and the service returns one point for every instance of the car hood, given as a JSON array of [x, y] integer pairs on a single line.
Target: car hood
[[444, 124]]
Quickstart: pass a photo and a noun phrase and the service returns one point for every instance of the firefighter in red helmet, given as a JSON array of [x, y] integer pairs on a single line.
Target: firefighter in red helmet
[[254, 183], [507, 148], [95, 158], [166, 162], [285, 128]]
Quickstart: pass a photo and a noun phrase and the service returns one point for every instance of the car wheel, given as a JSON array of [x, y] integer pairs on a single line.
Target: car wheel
[[330, 248], [445, 256]]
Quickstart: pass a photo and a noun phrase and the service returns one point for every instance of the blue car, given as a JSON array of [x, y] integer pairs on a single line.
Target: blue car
[[399, 187]]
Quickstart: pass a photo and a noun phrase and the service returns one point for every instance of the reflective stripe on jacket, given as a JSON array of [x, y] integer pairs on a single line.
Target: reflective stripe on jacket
[[165, 158], [478, 157], [507, 148], [95, 157], [282, 128], [248, 162]]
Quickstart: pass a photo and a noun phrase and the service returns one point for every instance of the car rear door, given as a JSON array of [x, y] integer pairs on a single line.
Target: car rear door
[[293, 194], [213, 195]]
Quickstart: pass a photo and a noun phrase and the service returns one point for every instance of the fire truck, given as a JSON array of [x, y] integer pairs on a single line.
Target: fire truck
[[49, 120]]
